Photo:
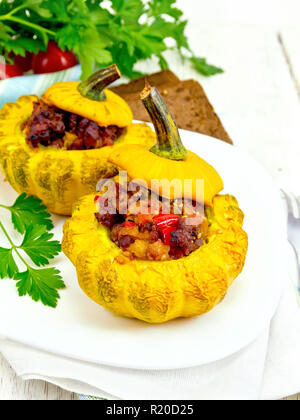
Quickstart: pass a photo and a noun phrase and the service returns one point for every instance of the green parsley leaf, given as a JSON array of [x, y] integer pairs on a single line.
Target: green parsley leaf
[[38, 245], [180, 37], [20, 45], [8, 267], [28, 211], [160, 7], [30, 218], [40, 285], [129, 10], [37, 7], [100, 17], [5, 32], [201, 65], [99, 32], [163, 63], [58, 9]]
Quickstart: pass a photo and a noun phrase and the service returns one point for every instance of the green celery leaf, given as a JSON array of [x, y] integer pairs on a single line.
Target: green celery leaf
[[38, 245], [40, 285]]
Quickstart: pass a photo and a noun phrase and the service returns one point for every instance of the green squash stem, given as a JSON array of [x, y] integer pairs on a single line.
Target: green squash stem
[[169, 144], [93, 87]]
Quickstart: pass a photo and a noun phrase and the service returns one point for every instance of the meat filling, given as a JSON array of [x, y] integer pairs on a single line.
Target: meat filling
[[50, 126], [157, 236]]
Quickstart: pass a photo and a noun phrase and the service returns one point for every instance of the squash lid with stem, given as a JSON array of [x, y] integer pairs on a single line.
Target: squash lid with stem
[[91, 100], [167, 159]]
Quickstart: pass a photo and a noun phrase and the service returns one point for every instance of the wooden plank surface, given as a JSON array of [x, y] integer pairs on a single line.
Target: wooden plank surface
[[256, 97], [258, 102], [290, 36]]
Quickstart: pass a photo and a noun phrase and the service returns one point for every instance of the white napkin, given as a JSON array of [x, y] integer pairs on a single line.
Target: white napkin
[[267, 369]]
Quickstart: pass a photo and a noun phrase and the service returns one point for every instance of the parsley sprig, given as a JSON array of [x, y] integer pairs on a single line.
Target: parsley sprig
[[31, 220], [100, 32]]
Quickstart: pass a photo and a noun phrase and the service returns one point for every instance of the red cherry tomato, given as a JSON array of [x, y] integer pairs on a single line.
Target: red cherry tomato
[[7, 71], [24, 62], [52, 60]]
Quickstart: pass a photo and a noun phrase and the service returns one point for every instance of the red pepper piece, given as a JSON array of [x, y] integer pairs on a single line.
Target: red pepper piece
[[167, 234], [166, 220]]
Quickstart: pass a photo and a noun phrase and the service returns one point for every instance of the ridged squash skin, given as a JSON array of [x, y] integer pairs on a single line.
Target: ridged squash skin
[[157, 291], [58, 177]]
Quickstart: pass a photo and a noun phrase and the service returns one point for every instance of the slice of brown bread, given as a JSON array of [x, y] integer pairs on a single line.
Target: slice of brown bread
[[186, 100], [165, 77]]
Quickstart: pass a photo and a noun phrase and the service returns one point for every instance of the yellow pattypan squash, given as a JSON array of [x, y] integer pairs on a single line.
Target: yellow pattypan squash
[[59, 177], [158, 291]]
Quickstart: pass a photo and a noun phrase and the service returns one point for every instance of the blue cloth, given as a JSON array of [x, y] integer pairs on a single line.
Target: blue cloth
[[36, 84]]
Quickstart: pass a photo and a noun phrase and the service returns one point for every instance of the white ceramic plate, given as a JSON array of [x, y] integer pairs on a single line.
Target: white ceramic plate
[[80, 329]]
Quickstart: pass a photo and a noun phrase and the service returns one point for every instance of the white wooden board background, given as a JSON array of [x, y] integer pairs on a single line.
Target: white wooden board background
[[257, 98]]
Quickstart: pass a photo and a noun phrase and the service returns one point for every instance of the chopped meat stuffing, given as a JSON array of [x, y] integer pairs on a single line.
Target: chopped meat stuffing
[[48, 126], [158, 236]]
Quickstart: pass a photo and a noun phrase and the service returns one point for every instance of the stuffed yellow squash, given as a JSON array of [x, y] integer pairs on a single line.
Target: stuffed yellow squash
[[57, 147], [140, 261]]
